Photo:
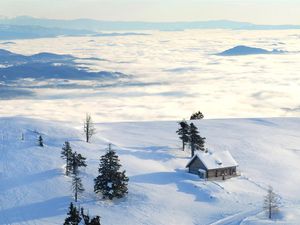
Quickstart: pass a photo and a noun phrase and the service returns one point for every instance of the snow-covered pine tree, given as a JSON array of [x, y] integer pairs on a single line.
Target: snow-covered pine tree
[[66, 154], [111, 182], [77, 160], [77, 186], [85, 217], [197, 116], [73, 216], [271, 203], [95, 221], [88, 128], [196, 141], [183, 133], [41, 141], [87, 221]]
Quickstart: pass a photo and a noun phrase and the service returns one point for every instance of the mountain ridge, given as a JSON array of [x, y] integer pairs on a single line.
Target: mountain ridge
[[92, 24], [246, 50]]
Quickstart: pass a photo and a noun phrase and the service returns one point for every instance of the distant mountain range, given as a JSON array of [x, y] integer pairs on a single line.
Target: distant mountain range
[[26, 27], [45, 66], [98, 25], [10, 32]]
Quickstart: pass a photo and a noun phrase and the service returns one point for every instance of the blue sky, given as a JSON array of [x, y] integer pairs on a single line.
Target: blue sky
[[256, 11]]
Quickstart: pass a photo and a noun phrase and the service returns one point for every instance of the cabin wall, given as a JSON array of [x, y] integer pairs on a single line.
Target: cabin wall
[[196, 165], [231, 171]]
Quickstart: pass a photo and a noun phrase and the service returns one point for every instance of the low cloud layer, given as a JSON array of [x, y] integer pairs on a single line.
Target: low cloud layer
[[173, 75]]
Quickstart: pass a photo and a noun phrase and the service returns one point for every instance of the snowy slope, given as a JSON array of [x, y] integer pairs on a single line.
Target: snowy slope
[[34, 190]]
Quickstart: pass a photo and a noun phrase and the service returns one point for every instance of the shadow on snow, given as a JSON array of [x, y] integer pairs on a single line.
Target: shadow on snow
[[183, 181], [39, 210]]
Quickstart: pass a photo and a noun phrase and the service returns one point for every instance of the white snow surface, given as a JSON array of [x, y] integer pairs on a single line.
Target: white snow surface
[[34, 189], [216, 160]]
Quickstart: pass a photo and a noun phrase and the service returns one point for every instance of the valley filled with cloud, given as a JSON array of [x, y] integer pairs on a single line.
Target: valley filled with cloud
[[163, 75]]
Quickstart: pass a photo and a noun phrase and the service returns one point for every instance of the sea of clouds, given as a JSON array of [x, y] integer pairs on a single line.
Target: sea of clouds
[[172, 74]]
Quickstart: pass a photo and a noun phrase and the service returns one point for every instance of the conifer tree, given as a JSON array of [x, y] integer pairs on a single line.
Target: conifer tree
[[87, 221], [197, 116], [85, 217], [183, 133], [73, 216], [95, 221], [41, 141], [196, 141], [66, 154], [77, 186], [77, 160], [111, 182], [88, 128]]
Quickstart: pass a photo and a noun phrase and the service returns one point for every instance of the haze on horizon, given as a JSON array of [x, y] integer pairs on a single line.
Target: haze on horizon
[[255, 11]]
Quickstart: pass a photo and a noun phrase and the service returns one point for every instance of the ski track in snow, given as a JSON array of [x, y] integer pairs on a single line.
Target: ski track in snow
[[236, 219]]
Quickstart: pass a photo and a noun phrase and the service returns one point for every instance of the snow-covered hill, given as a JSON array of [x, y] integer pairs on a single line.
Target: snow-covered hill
[[34, 190]]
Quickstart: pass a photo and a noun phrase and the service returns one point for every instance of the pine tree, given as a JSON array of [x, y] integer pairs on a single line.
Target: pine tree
[[41, 141], [197, 116], [66, 154], [95, 221], [87, 221], [73, 216], [77, 160], [183, 133], [88, 127], [111, 182], [271, 203], [85, 217], [196, 141], [77, 186]]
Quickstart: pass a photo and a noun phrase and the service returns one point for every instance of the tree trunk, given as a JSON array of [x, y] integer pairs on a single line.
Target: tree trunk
[[67, 167], [87, 133], [192, 149], [183, 145], [76, 195]]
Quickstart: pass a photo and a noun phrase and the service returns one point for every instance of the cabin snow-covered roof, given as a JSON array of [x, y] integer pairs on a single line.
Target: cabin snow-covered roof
[[215, 160]]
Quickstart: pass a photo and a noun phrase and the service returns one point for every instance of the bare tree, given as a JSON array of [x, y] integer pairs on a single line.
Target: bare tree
[[88, 127], [271, 203]]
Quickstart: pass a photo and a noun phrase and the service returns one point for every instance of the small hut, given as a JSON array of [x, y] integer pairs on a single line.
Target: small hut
[[215, 165]]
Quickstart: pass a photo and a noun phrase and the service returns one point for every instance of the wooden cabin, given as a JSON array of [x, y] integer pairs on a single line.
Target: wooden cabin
[[217, 165]]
